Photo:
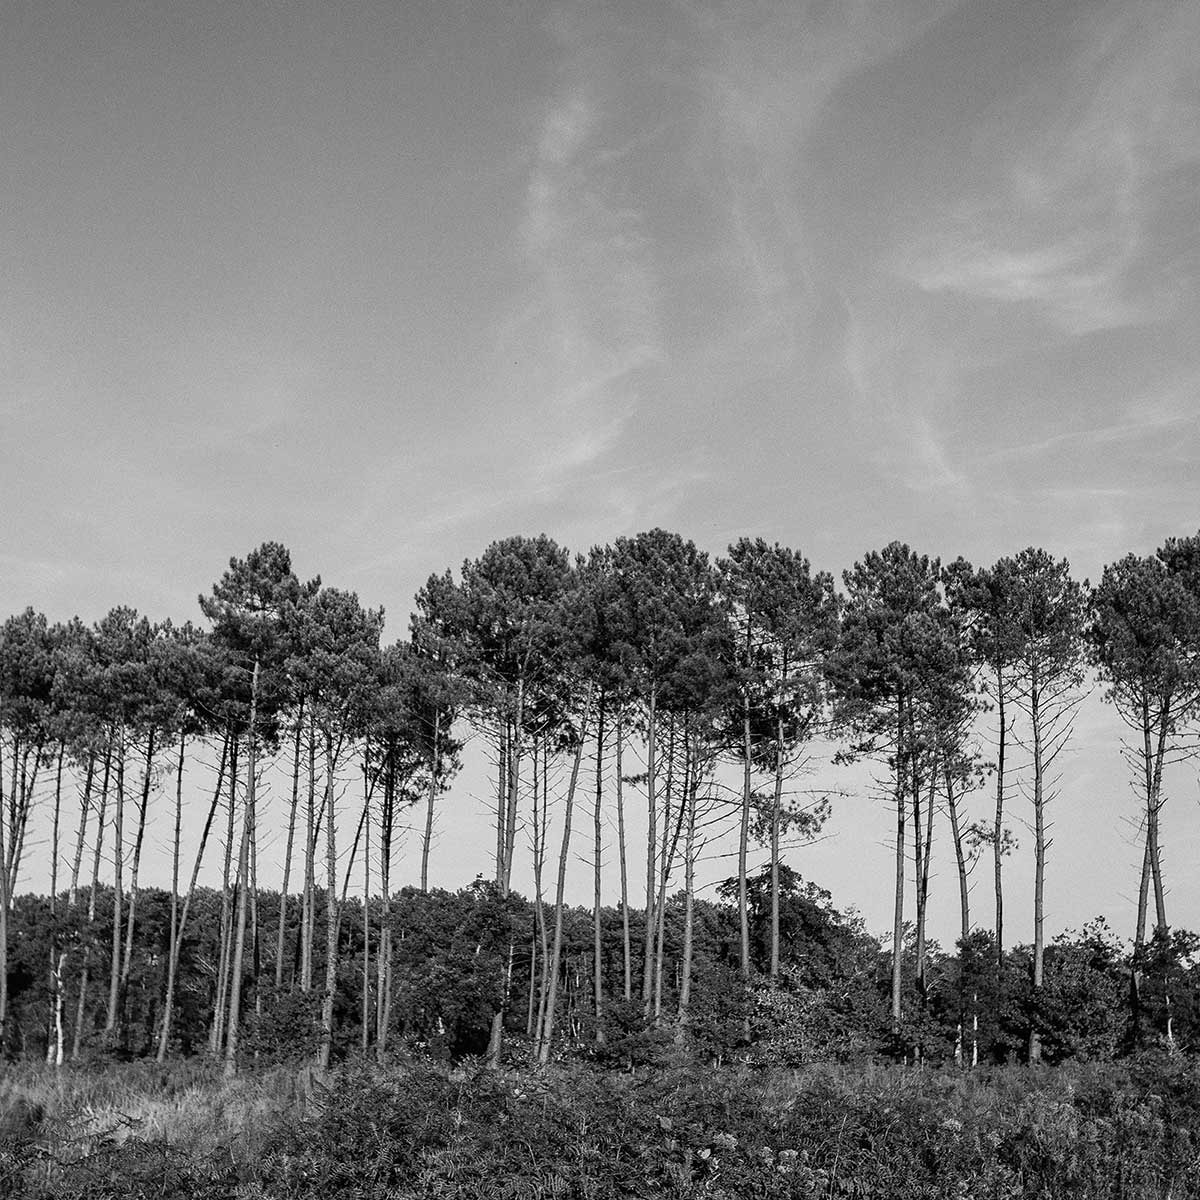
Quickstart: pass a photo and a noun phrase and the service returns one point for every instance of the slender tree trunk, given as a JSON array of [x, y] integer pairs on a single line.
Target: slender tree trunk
[[81, 1005], [127, 962], [923, 882], [547, 1034], [918, 857], [690, 783], [164, 1036], [176, 846], [281, 937], [430, 802], [898, 911], [960, 858], [1153, 808], [744, 844], [383, 981], [998, 828], [665, 860], [4, 906], [233, 1029], [308, 917], [331, 911], [496, 1038], [597, 937], [651, 850], [85, 802], [540, 827], [53, 1043], [776, 819], [1039, 877], [626, 954], [366, 976], [110, 1020], [216, 1035]]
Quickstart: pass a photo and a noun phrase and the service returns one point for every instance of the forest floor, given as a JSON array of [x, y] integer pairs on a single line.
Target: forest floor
[[423, 1129]]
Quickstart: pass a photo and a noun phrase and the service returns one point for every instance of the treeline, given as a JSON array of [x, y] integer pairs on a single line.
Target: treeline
[[641, 673]]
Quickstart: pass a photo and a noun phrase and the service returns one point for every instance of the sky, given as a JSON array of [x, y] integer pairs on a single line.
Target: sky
[[388, 281]]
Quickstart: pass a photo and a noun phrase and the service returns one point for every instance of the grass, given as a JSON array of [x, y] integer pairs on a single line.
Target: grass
[[420, 1129]]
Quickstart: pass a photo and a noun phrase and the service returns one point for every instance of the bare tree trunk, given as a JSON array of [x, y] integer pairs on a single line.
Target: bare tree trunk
[[998, 829], [85, 801], [216, 1034], [540, 828], [597, 939], [81, 1006], [383, 981], [665, 862], [496, 1038], [744, 844], [366, 977], [960, 858], [281, 938], [110, 1020], [233, 1029], [923, 881], [176, 844], [898, 911], [690, 782], [127, 962], [776, 817], [54, 1044], [164, 1036], [332, 914], [4, 906], [546, 1036], [430, 802], [308, 917], [627, 957], [651, 850], [1039, 877]]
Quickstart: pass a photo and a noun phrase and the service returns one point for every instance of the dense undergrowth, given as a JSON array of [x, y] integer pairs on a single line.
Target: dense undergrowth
[[422, 1129]]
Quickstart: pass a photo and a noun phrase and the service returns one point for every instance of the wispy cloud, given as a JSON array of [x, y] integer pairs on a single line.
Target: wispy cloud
[[1084, 165]]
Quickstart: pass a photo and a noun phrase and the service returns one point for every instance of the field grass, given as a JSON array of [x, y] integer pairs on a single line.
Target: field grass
[[421, 1129]]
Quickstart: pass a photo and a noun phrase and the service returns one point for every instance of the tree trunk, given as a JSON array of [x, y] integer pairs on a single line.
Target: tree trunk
[[744, 845], [53, 1043], [110, 1020], [898, 911], [85, 801], [233, 1029], [127, 962], [690, 783], [164, 1036], [998, 828], [430, 802], [597, 938], [308, 916], [651, 850], [331, 911], [281, 938], [81, 1006], [776, 816], [626, 954], [1039, 877], [216, 1034], [960, 859], [546, 1036]]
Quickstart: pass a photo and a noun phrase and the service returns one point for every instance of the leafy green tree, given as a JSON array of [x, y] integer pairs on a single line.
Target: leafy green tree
[[785, 620], [892, 622], [1145, 638], [1051, 610], [986, 601], [255, 610]]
